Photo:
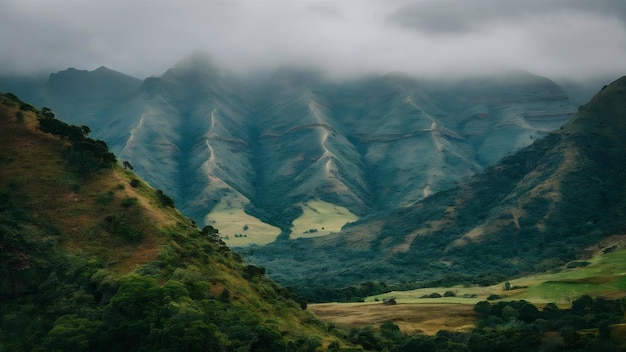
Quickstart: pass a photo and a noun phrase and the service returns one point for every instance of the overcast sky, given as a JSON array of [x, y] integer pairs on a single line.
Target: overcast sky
[[555, 38]]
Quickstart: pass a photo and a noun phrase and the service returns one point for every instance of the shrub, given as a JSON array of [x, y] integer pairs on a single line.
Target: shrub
[[164, 199], [134, 183], [118, 225], [493, 297], [105, 199], [129, 202]]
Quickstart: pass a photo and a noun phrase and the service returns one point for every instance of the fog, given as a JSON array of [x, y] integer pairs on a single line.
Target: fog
[[574, 39]]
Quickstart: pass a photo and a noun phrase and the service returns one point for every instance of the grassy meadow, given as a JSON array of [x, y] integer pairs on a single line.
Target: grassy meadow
[[238, 228], [603, 275], [410, 318], [320, 218]]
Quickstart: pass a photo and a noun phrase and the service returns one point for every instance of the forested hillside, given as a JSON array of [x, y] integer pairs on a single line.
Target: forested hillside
[[94, 259]]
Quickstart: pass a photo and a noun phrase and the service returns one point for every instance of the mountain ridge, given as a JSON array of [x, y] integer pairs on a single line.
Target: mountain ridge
[[542, 205], [370, 144]]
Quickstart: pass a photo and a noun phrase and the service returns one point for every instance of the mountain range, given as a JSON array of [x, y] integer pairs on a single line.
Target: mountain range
[[93, 258], [545, 205], [391, 178], [260, 156]]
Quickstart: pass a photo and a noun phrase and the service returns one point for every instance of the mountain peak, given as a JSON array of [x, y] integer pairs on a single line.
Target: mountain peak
[[197, 61]]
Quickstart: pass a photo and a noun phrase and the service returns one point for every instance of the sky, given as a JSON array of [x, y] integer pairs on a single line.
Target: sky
[[575, 39]]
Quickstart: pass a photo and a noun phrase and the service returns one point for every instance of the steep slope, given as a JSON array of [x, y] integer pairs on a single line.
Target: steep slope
[[101, 261], [506, 109], [542, 206], [302, 151], [409, 144], [188, 133]]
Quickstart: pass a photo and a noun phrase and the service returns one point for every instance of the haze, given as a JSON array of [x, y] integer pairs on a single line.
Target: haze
[[573, 39]]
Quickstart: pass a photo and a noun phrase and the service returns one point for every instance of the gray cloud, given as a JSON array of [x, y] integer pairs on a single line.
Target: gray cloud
[[458, 16], [565, 38]]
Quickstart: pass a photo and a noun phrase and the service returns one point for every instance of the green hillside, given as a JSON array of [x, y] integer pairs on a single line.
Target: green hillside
[[537, 209], [92, 258]]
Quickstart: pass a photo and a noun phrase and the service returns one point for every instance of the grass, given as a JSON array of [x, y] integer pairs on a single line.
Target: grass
[[604, 276], [410, 318], [238, 228], [33, 165], [320, 218]]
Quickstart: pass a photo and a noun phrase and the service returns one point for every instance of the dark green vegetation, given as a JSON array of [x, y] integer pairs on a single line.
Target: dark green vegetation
[[90, 263], [84, 154], [536, 210]]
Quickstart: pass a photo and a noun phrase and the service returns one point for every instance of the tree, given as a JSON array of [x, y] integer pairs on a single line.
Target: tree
[[72, 333], [483, 308], [164, 199], [127, 165], [582, 303], [390, 331], [267, 339]]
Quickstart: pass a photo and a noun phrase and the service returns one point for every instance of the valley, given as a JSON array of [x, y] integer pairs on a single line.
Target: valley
[[451, 308], [313, 176], [502, 291]]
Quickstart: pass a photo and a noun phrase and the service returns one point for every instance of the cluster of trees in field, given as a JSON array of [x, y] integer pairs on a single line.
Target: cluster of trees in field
[[511, 327]]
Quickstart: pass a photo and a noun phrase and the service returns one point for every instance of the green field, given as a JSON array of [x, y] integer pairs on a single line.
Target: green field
[[605, 275], [320, 218], [238, 228]]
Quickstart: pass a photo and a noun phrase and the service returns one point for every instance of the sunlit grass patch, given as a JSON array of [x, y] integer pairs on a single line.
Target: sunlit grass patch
[[320, 218], [238, 228]]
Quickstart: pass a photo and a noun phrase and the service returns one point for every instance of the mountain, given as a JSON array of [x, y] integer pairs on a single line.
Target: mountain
[[85, 96], [93, 258], [545, 205], [278, 155]]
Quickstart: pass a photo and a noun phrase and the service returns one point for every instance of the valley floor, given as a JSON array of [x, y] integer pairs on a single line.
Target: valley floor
[[409, 317]]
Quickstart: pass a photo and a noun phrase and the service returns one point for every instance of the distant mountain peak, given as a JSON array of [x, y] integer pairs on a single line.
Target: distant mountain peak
[[197, 61]]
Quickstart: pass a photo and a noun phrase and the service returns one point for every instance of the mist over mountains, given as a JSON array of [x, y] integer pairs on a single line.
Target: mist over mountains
[[220, 144]]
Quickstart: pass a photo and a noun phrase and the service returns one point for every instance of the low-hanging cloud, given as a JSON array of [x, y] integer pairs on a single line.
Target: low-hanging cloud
[[564, 38]]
